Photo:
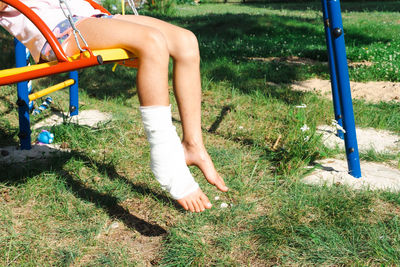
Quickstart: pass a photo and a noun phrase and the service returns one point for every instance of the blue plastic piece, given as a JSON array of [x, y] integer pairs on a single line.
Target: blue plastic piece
[[45, 137], [45, 105], [29, 86], [342, 73]]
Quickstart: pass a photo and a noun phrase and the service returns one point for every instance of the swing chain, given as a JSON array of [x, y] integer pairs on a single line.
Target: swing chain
[[75, 31], [133, 7]]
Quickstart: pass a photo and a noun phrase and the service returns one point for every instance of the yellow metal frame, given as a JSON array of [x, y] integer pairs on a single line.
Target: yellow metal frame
[[13, 71], [123, 7], [51, 89]]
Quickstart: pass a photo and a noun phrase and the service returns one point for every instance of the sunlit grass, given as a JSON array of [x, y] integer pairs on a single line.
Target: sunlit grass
[[100, 205]]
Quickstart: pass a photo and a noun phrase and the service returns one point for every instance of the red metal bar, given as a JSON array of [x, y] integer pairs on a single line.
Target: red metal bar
[[43, 28], [55, 69], [97, 6]]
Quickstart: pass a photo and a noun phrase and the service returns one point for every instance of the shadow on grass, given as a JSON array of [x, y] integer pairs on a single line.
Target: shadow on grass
[[7, 59], [225, 110], [100, 81], [7, 134], [7, 131], [16, 174], [354, 6]]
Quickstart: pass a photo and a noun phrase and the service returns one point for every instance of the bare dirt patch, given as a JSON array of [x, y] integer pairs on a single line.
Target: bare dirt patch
[[293, 60], [367, 138], [374, 176], [144, 249], [371, 91], [91, 118], [288, 60]]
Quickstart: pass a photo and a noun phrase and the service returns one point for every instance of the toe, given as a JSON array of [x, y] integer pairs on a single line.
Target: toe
[[191, 207], [196, 206], [201, 205], [183, 203], [220, 184], [206, 203]]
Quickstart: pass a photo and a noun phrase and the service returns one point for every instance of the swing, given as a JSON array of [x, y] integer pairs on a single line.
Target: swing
[[86, 58]]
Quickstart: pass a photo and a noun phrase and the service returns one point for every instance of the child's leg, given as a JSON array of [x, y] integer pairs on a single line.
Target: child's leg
[[145, 42], [150, 46], [183, 48]]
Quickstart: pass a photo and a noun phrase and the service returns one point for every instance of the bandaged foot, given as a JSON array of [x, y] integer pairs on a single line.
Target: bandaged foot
[[168, 159]]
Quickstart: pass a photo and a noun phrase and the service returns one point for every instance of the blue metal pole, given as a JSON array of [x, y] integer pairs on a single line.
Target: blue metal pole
[[23, 99], [342, 72], [31, 103], [331, 62], [73, 94]]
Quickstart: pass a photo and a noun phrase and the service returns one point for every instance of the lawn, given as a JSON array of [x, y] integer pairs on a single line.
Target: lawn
[[99, 205]]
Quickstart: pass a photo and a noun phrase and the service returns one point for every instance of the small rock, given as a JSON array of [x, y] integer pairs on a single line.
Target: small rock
[[224, 205], [6, 196], [64, 145], [114, 225]]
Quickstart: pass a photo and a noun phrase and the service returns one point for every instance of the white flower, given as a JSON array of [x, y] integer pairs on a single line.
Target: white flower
[[216, 198], [224, 205], [304, 128], [302, 106]]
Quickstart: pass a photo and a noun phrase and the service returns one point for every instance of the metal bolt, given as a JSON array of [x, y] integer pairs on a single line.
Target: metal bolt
[[326, 23], [337, 32], [22, 135], [21, 102]]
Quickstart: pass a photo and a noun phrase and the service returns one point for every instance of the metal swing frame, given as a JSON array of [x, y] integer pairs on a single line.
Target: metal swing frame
[[340, 83]]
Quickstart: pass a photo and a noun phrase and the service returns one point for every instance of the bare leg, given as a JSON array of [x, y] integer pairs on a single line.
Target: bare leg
[[183, 48], [150, 46]]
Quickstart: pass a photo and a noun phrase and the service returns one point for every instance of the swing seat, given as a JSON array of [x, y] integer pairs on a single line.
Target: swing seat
[[78, 61]]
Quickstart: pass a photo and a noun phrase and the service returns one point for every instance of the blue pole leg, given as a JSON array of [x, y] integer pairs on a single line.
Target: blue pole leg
[[73, 94], [342, 72], [31, 103], [331, 61], [23, 99]]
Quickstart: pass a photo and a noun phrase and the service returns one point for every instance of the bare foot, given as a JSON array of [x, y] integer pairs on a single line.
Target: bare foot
[[195, 202], [197, 155]]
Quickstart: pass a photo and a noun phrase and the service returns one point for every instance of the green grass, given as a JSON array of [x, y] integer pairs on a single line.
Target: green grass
[[100, 205]]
